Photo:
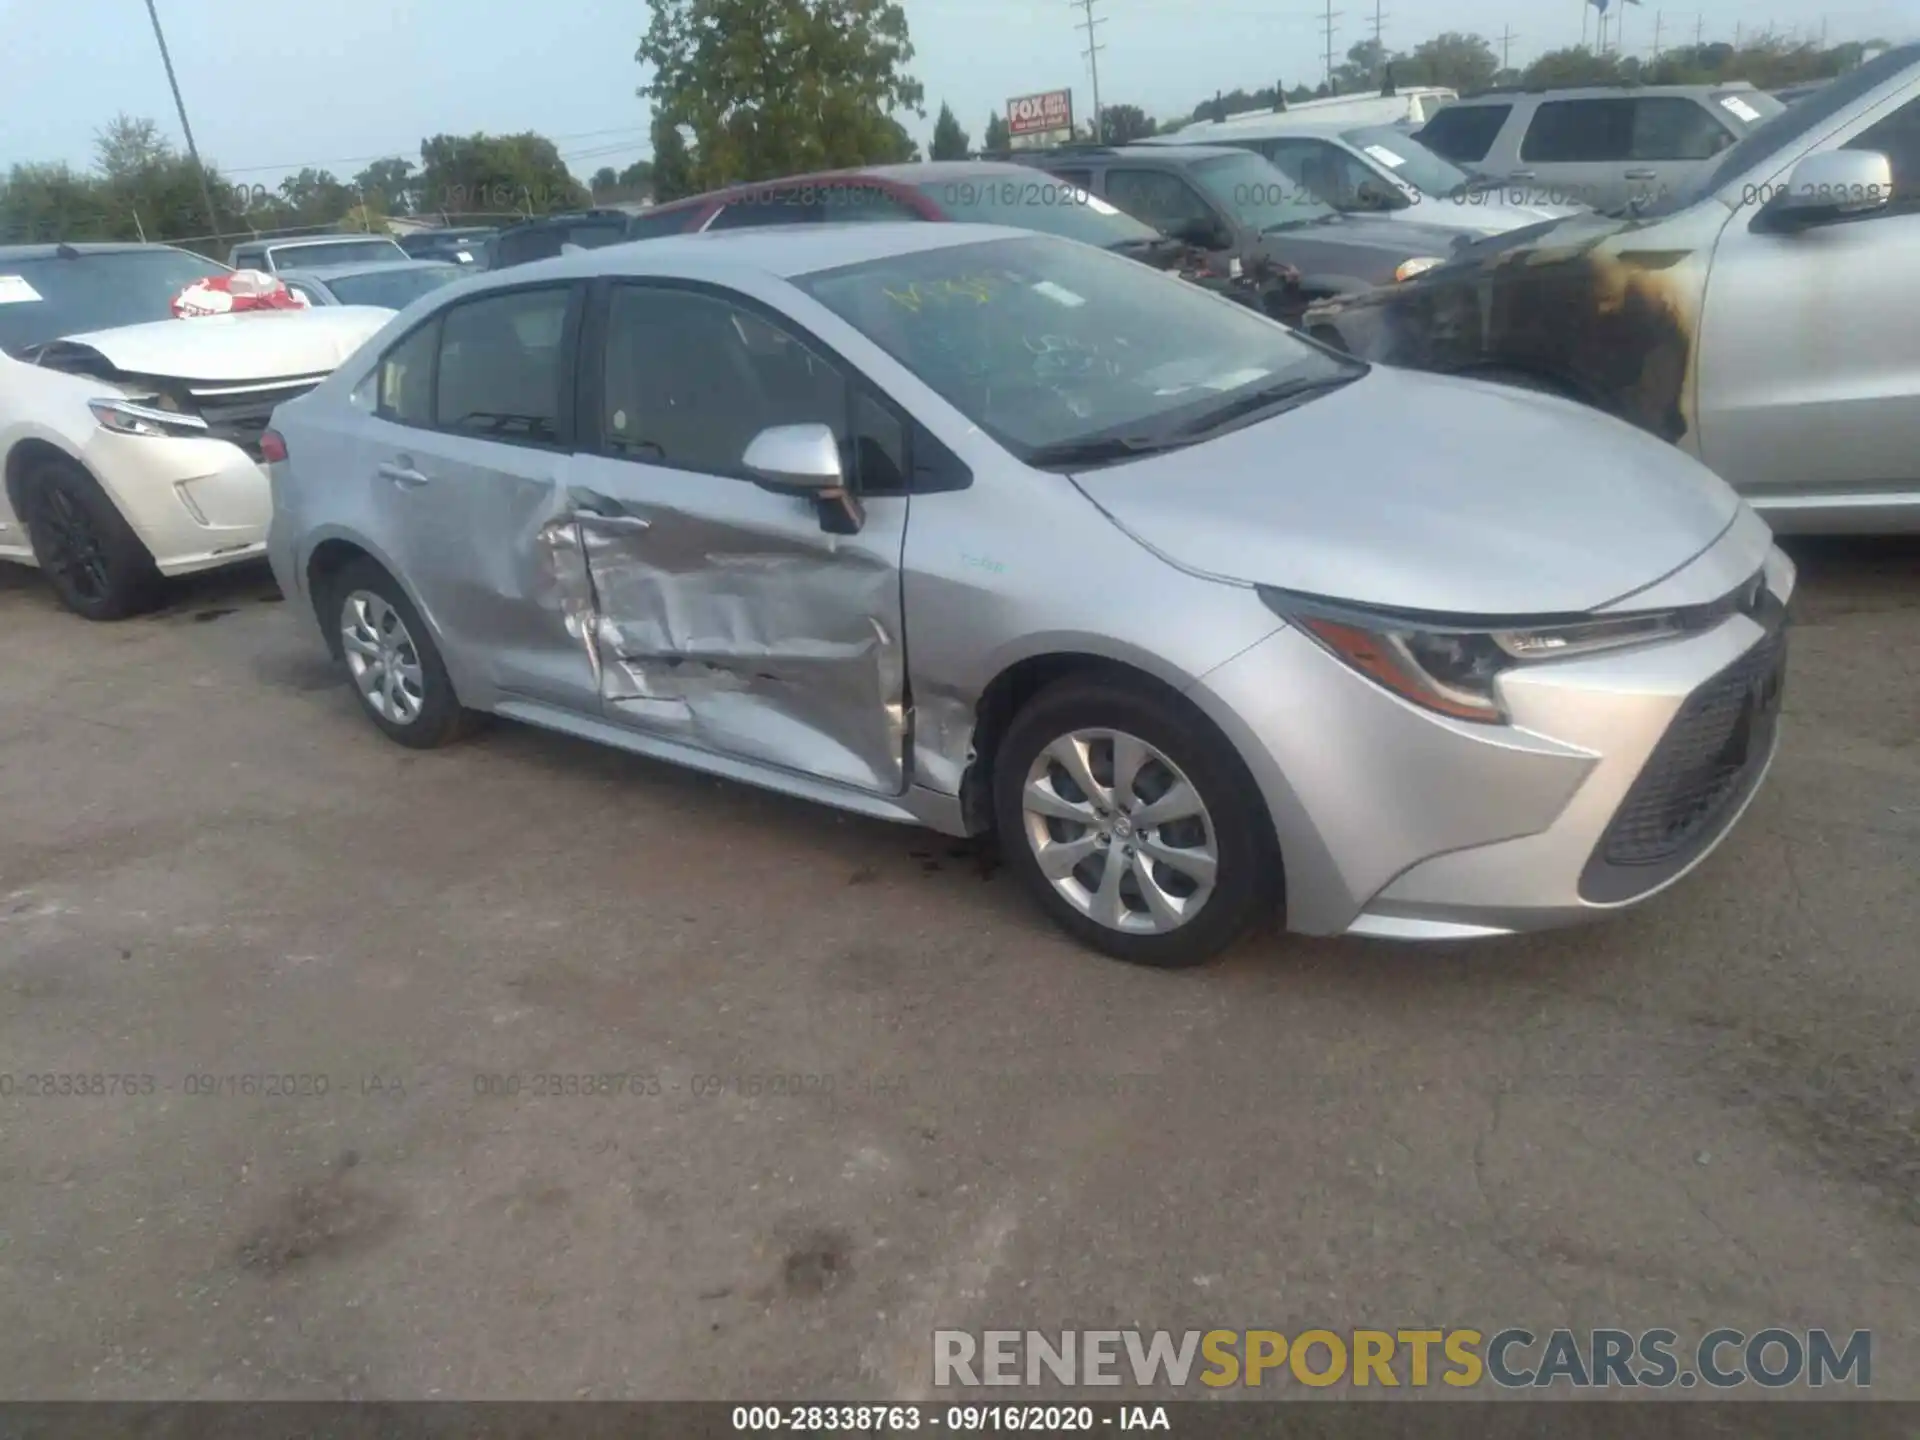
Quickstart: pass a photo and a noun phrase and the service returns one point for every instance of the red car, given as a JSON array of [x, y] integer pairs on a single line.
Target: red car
[[986, 192]]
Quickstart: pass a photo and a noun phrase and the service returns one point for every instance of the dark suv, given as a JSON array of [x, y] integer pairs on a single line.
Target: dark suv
[[1237, 208], [544, 237]]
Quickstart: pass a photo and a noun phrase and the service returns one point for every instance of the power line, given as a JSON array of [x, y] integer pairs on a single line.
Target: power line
[[400, 154], [1092, 53]]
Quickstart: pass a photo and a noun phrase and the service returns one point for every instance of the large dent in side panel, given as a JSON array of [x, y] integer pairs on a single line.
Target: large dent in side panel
[[777, 655], [1612, 310]]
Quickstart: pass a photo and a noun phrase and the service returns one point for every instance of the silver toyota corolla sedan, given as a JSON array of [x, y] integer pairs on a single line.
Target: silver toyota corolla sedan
[[987, 530]]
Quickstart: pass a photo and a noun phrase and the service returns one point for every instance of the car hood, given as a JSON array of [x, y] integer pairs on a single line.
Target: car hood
[[1465, 213], [1426, 493], [1407, 237], [254, 345]]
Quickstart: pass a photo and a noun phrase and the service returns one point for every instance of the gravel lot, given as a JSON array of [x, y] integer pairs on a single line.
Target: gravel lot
[[1702, 1115]]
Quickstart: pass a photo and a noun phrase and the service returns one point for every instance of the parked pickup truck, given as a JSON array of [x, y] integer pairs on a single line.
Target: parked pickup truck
[[1761, 317]]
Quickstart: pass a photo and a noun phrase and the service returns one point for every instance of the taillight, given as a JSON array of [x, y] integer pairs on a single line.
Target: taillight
[[273, 449]]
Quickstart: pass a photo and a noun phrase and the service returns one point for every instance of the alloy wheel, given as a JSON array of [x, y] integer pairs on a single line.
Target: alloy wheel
[[71, 545], [1119, 832], [382, 658]]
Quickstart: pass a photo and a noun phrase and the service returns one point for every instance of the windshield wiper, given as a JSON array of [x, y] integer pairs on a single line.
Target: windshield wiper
[[1262, 399], [1098, 448]]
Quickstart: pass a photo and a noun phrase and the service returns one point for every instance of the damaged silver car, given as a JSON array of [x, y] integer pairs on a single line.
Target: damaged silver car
[[991, 531]]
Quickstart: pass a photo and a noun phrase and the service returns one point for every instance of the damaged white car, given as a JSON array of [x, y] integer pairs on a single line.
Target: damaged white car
[[129, 439]]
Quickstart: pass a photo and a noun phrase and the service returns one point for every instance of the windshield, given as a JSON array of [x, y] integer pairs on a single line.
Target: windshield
[[1259, 195], [1044, 345], [334, 252], [391, 289], [1036, 202], [42, 300], [1410, 161], [1785, 126]]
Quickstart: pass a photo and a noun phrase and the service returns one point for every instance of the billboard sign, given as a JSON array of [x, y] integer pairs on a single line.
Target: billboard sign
[[1042, 119]]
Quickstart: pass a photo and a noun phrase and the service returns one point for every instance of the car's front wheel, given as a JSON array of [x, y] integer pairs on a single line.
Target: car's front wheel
[[397, 672], [96, 565], [1132, 822]]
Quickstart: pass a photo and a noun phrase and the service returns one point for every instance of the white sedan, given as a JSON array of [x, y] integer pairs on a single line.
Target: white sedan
[[130, 440]]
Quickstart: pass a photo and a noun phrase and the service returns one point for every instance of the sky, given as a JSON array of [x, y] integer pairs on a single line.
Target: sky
[[271, 87]]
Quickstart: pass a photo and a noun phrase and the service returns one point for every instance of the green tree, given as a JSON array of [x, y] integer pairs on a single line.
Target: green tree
[[637, 178], [315, 197], [771, 87], [388, 186], [605, 180], [672, 162], [995, 139], [949, 140], [126, 148], [1461, 62], [495, 175], [1575, 65], [1363, 68], [1123, 123]]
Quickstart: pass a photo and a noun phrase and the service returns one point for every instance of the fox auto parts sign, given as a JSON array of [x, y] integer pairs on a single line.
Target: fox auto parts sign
[[1042, 114]]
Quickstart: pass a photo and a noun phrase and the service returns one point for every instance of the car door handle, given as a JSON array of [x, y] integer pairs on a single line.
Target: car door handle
[[1643, 174], [604, 510], [405, 476], [1520, 175]]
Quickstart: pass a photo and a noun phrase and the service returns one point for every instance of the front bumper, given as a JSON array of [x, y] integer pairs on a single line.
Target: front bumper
[[1618, 774], [195, 504]]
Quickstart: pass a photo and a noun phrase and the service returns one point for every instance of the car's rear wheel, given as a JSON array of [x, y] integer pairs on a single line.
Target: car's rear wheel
[[96, 565], [1133, 823], [401, 682]]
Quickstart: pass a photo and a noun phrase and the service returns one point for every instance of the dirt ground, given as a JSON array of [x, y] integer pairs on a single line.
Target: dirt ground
[[869, 1092]]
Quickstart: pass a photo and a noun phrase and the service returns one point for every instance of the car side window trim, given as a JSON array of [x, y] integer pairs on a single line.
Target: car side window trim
[[566, 407], [931, 466]]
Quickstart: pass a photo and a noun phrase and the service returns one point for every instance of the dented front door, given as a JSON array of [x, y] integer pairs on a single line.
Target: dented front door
[[726, 618]]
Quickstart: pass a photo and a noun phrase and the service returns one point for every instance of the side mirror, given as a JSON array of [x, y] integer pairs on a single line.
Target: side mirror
[[804, 461], [1829, 186]]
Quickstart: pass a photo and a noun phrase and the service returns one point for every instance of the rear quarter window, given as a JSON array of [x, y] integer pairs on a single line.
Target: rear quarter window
[[1569, 132], [1464, 133]]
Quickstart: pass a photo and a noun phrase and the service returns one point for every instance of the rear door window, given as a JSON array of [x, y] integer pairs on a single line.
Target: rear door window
[[1159, 197], [1671, 127], [671, 222], [1464, 133], [1567, 132]]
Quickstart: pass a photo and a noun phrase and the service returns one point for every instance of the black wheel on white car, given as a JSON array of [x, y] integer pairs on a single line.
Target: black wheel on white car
[[96, 565], [396, 669], [1133, 823]]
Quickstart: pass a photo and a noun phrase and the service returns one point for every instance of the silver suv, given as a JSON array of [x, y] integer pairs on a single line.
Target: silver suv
[[1606, 146], [1761, 317]]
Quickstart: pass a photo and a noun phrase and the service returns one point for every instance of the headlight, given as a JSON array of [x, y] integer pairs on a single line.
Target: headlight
[[134, 417], [1417, 266], [1452, 670]]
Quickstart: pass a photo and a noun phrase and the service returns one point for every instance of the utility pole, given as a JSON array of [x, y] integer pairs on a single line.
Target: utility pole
[[1699, 31], [1327, 29], [1093, 61], [1507, 37], [1658, 19], [1379, 43], [193, 151]]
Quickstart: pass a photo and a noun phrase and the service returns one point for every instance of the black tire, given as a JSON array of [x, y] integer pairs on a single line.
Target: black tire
[[1248, 880], [97, 566], [440, 718]]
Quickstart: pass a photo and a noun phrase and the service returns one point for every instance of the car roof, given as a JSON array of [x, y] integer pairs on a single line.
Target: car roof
[[10, 253], [317, 241], [1624, 89], [782, 251], [909, 172], [365, 267]]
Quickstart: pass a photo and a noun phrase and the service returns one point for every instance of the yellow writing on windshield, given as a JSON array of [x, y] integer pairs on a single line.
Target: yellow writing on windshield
[[977, 288]]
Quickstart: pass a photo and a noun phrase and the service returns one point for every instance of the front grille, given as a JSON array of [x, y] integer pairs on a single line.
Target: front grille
[[240, 415], [1699, 770]]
